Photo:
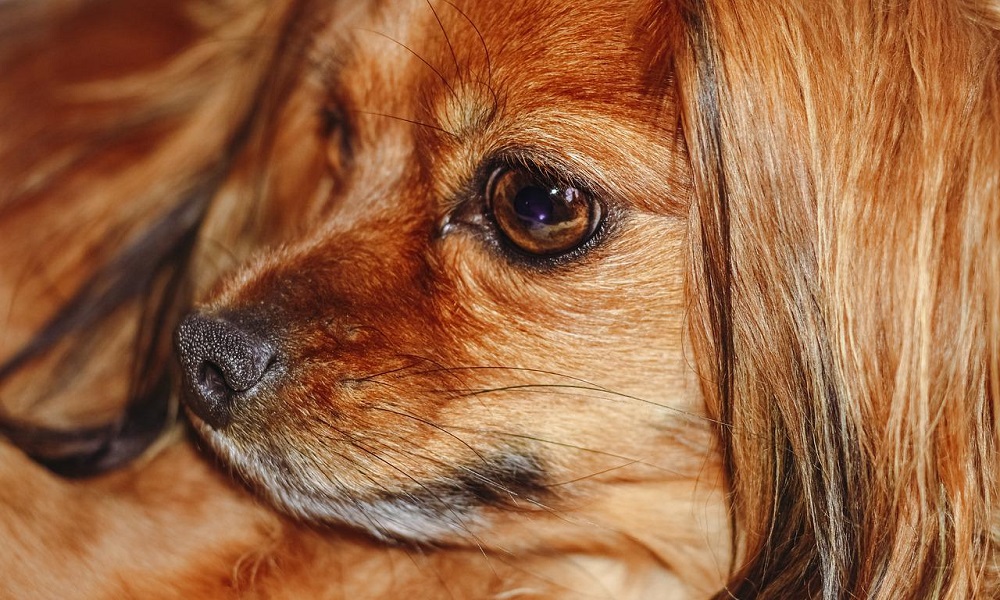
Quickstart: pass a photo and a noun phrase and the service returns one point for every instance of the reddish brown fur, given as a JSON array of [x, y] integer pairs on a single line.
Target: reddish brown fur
[[773, 375]]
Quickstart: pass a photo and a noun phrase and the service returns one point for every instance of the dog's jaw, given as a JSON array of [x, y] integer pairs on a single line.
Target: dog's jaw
[[427, 512]]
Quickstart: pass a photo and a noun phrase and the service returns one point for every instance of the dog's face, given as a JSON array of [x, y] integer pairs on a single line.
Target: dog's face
[[486, 313]]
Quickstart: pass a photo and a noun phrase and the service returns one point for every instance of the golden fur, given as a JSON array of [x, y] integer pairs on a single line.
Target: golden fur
[[770, 371]]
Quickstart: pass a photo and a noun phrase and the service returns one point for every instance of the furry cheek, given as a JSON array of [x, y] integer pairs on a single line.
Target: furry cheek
[[422, 404]]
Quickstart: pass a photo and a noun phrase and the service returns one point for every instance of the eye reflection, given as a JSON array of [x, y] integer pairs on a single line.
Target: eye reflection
[[538, 215]]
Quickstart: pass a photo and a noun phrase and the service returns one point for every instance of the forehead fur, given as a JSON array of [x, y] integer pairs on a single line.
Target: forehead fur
[[477, 85]]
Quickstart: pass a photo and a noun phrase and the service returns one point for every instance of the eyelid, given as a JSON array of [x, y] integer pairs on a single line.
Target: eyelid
[[542, 166]]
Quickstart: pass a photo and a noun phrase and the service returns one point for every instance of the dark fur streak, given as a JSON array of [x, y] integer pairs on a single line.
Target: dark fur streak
[[164, 248], [122, 280], [89, 451], [498, 482]]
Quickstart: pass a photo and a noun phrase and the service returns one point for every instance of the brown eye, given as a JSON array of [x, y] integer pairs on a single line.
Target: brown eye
[[540, 215]]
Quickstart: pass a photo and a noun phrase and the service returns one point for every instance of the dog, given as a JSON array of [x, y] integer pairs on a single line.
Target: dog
[[445, 299]]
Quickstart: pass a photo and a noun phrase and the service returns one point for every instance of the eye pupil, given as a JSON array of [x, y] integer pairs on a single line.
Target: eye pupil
[[534, 205], [539, 214]]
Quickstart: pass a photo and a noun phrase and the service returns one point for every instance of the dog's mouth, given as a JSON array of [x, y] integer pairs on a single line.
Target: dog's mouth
[[426, 510], [239, 397]]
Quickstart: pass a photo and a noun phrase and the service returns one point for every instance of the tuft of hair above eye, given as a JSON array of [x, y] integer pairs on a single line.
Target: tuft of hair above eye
[[539, 214]]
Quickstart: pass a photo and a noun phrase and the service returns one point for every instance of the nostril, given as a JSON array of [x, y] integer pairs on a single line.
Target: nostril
[[222, 362], [212, 383]]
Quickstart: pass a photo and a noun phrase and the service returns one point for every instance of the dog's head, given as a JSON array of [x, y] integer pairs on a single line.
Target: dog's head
[[536, 252], [486, 306], [575, 275]]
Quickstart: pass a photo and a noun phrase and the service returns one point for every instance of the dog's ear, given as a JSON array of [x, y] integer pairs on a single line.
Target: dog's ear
[[845, 239], [120, 120]]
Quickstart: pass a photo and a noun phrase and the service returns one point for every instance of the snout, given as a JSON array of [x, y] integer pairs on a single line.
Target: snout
[[222, 363]]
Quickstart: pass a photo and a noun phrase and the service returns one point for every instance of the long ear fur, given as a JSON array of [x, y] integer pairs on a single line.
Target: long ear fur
[[117, 149], [846, 233]]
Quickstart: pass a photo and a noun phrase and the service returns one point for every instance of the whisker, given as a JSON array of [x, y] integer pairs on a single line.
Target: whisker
[[454, 57], [412, 553], [405, 120], [583, 385], [430, 492], [568, 445], [377, 448], [443, 79], [482, 477], [595, 474], [515, 496], [439, 461], [533, 387], [540, 440], [348, 459], [482, 40], [368, 474], [373, 376], [360, 444], [433, 425]]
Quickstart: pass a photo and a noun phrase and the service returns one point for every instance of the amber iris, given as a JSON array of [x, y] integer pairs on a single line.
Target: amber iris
[[538, 214]]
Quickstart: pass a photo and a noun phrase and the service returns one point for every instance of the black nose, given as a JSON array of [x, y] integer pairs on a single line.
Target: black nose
[[222, 362]]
